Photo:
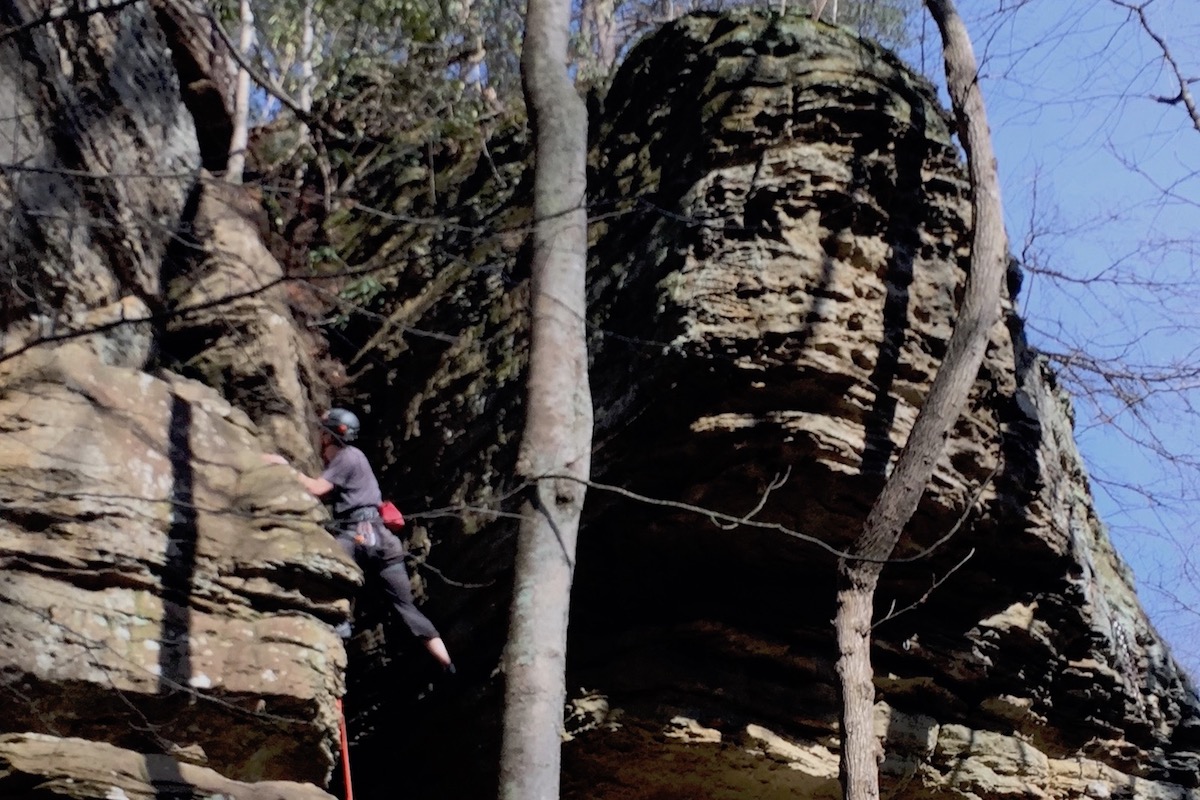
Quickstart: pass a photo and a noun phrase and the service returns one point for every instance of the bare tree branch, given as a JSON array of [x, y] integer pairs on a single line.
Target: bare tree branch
[[1185, 92], [732, 521], [265, 81], [901, 494], [893, 612], [777, 482]]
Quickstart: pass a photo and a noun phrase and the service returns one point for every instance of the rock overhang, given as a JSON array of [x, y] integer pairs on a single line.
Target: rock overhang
[[780, 241]]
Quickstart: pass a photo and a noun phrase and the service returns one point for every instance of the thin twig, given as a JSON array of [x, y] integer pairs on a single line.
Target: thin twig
[[451, 581], [776, 482], [893, 613], [718, 516], [1185, 92]]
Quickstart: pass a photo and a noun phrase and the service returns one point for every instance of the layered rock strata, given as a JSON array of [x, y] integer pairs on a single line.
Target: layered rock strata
[[77, 769], [781, 234], [162, 589], [230, 325]]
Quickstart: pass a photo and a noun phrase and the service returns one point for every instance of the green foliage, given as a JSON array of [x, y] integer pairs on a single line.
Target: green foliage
[[361, 291], [322, 254], [401, 74], [357, 294]]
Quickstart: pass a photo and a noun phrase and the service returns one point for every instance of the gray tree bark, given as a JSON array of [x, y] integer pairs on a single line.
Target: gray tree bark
[[980, 310], [558, 421], [599, 29], [241, 101], [307, 77]]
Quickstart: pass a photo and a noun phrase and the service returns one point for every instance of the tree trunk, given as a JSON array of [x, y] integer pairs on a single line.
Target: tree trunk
[[241, 101], [858, 578], [307, 34], [598, 48], [558, 421], [606, 34]]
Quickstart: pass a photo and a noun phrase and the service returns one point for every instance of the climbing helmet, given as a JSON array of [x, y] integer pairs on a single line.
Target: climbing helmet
[[341, 423]]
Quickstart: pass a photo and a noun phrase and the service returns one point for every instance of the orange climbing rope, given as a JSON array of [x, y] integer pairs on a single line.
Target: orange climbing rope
[[345, 750]]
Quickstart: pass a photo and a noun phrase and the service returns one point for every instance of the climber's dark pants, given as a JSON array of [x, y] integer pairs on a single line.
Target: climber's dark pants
[[377, 551]]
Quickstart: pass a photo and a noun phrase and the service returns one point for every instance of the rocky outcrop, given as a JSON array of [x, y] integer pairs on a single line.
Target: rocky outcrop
[[779, 240], [162, 589], [110, 237], [76, 769], [781, 235], [230, 325], [206, 75], [100, 154]]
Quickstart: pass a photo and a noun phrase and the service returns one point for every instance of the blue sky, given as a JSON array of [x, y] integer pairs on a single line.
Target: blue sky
[[1102, 198]]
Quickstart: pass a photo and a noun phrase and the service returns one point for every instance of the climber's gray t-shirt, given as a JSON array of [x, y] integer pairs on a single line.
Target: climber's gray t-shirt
[[354, 484]]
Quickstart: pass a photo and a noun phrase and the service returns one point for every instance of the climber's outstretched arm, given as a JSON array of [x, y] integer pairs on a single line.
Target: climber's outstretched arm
[[318, 487]]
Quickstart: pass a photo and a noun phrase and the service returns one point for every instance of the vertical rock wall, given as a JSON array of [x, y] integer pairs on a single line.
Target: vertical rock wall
[[780, 236], [779, 239], [99, 153], [164, 597]]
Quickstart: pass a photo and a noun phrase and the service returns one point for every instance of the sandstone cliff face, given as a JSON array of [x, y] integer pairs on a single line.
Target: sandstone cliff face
[[162, 589], [164, 597], [780, 234], [77, 768], [230, 325], [100, 153]]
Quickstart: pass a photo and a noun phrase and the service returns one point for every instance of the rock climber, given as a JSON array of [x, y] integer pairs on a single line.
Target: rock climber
[[348, 485]]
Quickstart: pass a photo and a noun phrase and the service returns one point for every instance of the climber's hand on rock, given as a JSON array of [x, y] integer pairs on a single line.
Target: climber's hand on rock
[[274, 458]]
